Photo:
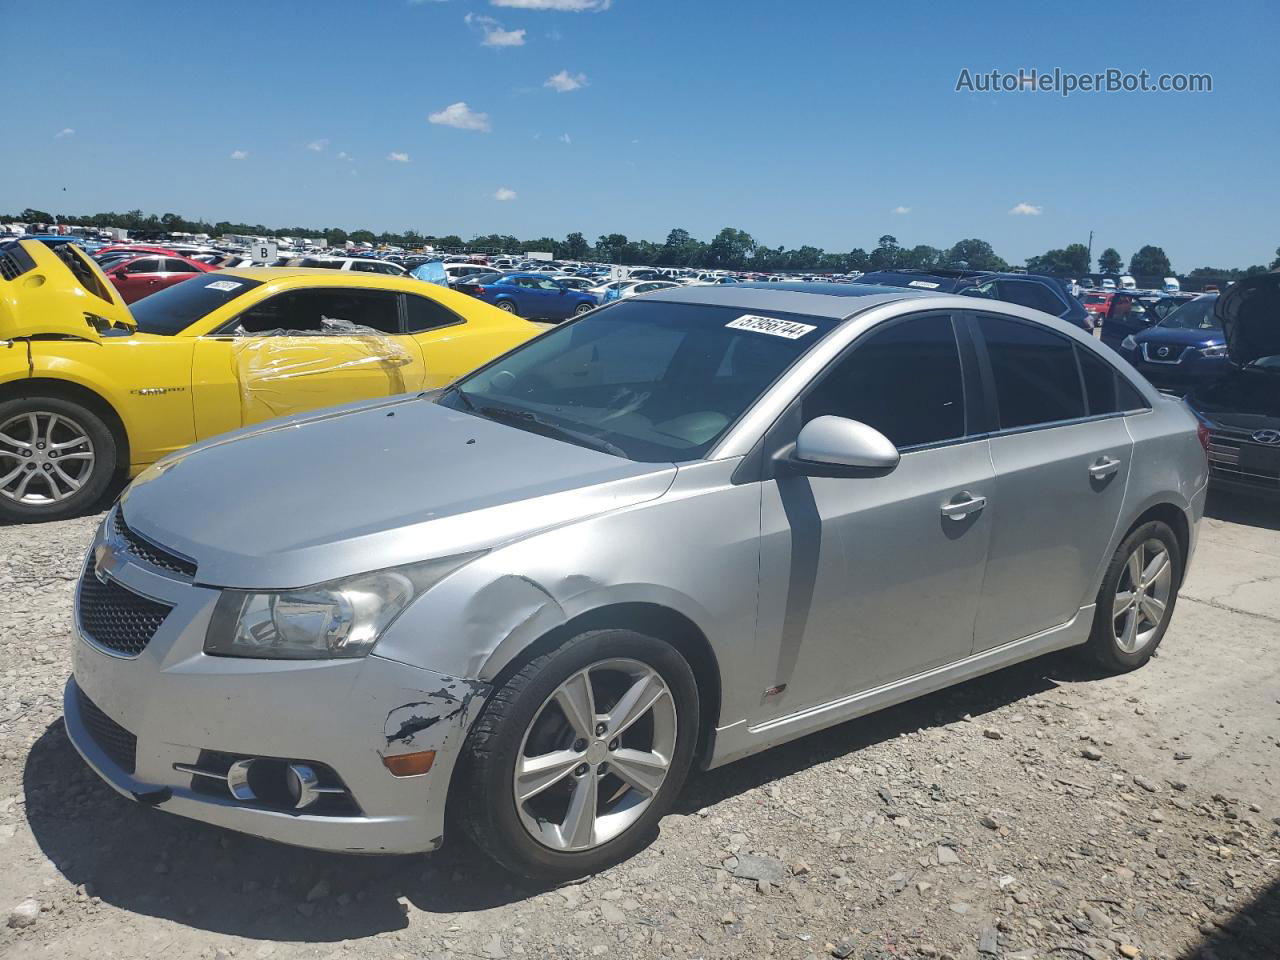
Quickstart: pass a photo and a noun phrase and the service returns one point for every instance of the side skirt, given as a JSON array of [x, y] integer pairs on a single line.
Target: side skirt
[[741, 739]]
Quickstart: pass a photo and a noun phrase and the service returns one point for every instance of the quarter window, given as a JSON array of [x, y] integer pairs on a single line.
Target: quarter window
[[1099, 382], [1035, 373], [426, 314], [905, 381]]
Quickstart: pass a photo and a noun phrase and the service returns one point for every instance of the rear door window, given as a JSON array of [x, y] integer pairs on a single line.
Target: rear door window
[[1028, 293], [1035, 374]]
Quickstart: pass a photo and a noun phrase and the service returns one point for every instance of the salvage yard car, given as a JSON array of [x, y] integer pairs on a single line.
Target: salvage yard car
[[90, 387], [680, 529]]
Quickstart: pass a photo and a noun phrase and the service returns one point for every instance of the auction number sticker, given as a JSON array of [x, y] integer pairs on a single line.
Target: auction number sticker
[[772, 326], [226, 286], [923, 283]]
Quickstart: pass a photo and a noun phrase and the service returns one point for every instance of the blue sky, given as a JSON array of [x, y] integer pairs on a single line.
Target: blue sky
[[820, 122]]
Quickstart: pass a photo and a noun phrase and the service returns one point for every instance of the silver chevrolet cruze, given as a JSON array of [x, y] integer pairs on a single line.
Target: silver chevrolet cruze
[[681, 529]]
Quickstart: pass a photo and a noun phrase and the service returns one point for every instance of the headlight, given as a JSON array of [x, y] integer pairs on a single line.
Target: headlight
[[1128, 343], [342, 618], [1218, 351]]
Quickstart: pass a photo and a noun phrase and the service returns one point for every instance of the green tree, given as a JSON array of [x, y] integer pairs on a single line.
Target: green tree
[[1275, 264], [575, 246], [1073, 260], [885, 255], [730, 249], [921, 257], [975, 255], [1110, 261], [1150, 261], [31, 215]]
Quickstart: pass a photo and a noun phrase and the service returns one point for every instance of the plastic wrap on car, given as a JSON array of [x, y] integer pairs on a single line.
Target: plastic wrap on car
[[281, 372]]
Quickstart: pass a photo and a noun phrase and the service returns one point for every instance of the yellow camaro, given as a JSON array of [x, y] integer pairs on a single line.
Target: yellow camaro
[[90, 387]]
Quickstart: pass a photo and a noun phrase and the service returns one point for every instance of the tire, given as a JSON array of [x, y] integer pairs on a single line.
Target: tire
[[48, 494], [524, 719], [583, 308], [1125, 636], [506, 305]]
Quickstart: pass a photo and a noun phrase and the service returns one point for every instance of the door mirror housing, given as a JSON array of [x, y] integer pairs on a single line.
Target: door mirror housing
[[840, 447]]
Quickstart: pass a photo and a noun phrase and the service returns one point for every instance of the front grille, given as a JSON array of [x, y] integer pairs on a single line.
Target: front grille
[[1175, 354], [14, 262], [1224, 463], [114, 740], [116, 618], [148, 552]]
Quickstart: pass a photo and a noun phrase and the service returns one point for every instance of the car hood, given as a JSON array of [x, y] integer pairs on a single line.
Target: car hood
[[1249, 312], [56, 294], [370, 485], [1177, 336]]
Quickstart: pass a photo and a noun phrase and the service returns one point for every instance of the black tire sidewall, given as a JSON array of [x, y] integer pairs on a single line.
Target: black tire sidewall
[[507, 839], [1102, 642], [105, 464]]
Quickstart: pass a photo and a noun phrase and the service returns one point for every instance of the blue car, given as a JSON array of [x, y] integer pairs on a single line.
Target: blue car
[[1185, 349], [534, 296]]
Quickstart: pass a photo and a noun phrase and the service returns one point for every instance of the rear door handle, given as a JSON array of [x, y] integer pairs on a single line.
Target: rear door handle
[[1104, 468], [959, 509]]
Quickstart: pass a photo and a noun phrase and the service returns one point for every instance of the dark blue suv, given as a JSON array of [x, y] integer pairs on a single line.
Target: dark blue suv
[[1047, 294], [1184, 349]]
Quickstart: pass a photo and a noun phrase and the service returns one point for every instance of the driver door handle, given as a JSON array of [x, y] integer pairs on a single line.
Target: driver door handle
[[959, 509], [1104, 467]]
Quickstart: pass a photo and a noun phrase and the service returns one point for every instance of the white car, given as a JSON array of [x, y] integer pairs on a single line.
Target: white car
[[457, 271], [358, 264]]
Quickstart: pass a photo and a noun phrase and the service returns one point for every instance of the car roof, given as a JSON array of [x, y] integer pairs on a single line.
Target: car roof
[[829, 300], [346, 278]]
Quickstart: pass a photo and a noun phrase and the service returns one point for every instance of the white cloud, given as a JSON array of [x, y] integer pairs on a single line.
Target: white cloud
[[396, 157], [1026, 210], [64, 132], [343, 155], [563, 82], [564, 6], [239, 154], [564, 138], [461, 117], [318, 145], [494, 35], [504, 193], [902, 210]]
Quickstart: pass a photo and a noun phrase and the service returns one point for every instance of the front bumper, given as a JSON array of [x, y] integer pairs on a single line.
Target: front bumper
[[346, 715]]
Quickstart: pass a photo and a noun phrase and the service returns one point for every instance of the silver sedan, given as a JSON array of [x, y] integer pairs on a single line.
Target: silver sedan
[[684, 528]]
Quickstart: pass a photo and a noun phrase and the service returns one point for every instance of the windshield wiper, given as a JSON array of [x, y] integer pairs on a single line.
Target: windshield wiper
[[529, 419], [464, 397]]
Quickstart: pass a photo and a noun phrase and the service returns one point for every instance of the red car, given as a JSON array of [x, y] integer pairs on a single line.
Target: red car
[[138, 277], [1096, 303]]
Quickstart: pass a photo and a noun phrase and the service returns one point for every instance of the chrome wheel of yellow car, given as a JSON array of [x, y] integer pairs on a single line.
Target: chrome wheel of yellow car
[[56, 458]]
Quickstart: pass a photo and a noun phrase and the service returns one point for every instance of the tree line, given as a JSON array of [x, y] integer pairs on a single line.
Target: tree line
[[730, 249]]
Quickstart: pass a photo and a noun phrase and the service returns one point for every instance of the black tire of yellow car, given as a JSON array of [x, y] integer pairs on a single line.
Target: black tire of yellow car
[[94, 486]]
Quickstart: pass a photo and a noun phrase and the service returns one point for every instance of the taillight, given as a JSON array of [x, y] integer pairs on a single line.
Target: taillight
[[1203, 434], [471, 288]]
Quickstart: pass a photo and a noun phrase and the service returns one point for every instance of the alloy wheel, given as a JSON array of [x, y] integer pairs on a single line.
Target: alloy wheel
[[45, 458], [595, 755], [1142, 596]]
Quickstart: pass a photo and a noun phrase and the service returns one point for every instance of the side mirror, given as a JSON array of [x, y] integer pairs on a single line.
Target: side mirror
[[839, 447]]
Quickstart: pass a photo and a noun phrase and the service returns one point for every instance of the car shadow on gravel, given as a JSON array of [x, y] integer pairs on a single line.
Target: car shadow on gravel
[[970, 699], [148, 862], [1250, 511], [1250, 933]]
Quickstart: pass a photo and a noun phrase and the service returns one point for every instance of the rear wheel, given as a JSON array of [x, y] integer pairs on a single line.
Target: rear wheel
[[56, 459], [1136, 599], [506, 305], [580, 753], [583, 308]]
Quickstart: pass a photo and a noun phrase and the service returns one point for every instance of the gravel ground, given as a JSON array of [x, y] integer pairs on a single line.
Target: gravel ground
[[1042, 812]]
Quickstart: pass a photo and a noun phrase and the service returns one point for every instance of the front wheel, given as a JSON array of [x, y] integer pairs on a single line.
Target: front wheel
[[579, 754], [1135, 601], [56, 459]]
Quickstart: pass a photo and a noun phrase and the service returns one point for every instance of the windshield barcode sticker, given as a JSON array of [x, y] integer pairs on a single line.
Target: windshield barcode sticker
[[226, 286], [772, 326]]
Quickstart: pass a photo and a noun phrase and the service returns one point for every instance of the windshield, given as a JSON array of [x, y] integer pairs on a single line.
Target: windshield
[[172, 310], [650, 381], [1194, 315]]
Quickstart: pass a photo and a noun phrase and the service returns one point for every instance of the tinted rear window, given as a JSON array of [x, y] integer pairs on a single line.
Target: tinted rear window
[[172, 310]]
